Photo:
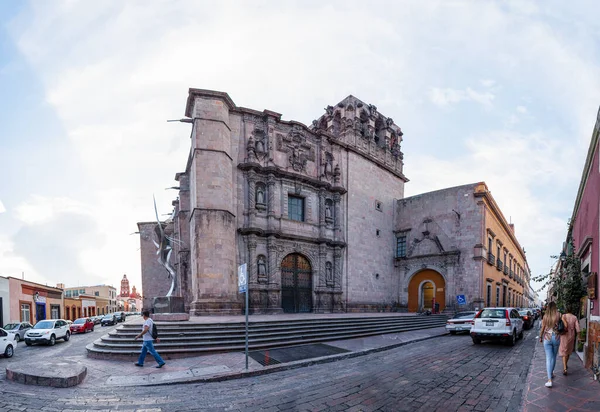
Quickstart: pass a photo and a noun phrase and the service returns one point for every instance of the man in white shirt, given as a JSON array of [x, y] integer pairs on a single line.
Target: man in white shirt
[[147, 345]]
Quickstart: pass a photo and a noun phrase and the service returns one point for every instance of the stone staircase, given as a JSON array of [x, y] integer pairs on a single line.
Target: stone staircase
[[187, 339]]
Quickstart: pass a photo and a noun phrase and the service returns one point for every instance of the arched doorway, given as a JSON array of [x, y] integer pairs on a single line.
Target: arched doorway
[[427, 294], [423, 287], [296, 284]]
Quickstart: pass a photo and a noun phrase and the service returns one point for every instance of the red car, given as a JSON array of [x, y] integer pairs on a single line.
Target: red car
[[82, 325]]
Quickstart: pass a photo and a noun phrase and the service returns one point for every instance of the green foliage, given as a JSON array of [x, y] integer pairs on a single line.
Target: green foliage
[[567, 285]]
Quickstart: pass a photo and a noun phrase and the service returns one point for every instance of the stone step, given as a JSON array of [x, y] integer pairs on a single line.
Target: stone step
[[184, 339], [201, 331]]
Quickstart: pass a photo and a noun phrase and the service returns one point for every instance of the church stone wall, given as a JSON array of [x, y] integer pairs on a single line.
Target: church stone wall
[[444, 230], [372, 193]]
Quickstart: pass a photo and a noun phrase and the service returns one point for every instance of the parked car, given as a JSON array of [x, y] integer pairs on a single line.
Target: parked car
[[48, 331], [120, 317], [109, 319], [460, 322], [503, 324], [528, 318], [18, 328], [97, 319], [82, 325], [8, 343]]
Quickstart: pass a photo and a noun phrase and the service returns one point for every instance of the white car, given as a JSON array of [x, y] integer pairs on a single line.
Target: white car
[[48, 331], [461, 322], [8, 343], [503, 324]]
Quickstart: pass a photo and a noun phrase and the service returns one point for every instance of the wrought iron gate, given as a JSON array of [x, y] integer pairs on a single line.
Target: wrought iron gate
[[296, 284]]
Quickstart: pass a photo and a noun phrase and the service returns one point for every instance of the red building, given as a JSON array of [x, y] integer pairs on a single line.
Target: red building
[[584, 235]]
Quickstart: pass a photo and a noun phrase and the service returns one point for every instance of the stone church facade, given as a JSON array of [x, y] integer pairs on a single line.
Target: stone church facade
[[312, 210]]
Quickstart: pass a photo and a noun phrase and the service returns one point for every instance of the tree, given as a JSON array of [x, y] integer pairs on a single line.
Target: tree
[[566, 284]]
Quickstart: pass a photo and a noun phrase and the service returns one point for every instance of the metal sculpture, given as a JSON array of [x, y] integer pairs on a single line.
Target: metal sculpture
[[164, 248]]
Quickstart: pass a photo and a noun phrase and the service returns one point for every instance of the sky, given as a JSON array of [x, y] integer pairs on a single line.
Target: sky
[[505, 92]]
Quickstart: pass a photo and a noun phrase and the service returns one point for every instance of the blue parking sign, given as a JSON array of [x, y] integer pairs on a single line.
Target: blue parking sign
[[461, 300]]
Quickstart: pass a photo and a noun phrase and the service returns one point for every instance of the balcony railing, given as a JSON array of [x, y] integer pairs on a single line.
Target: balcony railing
[[499, 264], [506, 270], [491, 259], [512, 274]]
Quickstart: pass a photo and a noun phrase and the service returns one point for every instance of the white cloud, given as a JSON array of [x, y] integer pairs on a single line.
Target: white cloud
[[115, 71], [39, 209], [445, 97]]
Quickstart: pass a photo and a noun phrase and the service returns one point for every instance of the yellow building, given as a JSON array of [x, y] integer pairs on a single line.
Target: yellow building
[[506, 274]]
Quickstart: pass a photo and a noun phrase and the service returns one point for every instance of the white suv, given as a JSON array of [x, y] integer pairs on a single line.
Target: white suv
[[48, 331], [503, 324]]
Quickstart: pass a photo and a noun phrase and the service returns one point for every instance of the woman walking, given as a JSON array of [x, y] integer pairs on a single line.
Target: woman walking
[[549, 335], [567, 340]]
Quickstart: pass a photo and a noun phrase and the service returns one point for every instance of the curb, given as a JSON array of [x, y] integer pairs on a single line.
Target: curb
[[284, 367], [70, 374]]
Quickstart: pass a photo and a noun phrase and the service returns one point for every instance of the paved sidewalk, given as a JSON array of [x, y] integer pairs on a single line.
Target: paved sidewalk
[[227, 366], [575, 392]]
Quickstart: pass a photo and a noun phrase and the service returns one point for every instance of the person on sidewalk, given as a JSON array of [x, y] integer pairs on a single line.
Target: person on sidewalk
[[147, 345], [549, 335], [567, 340]]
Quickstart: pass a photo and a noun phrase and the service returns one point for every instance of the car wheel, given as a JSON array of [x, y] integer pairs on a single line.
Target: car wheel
[[28, 343], [513, 339], [8, 352], [453, 332], [18, 337], [476, 341], [67, 337], [92, 329], [52, 340]]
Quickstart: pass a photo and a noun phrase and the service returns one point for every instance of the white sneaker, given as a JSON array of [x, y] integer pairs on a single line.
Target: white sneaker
[[548, 384]]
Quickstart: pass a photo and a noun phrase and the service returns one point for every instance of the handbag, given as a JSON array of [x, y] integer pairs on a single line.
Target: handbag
[[560, 327]]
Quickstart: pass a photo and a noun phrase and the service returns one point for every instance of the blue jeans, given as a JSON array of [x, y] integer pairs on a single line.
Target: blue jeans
[[551, 348], [148, 347]]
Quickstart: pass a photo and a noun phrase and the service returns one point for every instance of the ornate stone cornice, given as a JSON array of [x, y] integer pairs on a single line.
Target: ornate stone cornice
[[285, 236], [279, 173]]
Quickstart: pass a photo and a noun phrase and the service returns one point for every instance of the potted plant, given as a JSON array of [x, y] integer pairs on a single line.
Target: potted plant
[[582, 334], [580, 346]]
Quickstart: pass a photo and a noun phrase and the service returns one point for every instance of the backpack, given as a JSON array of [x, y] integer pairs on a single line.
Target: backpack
[[154, 331]]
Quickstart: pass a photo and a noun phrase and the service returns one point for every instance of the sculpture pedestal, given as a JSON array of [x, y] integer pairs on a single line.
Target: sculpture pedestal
[[169, 308]]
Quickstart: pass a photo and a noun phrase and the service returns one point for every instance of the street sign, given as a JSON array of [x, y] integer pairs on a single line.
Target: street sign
[[242, 279], [461, 300]]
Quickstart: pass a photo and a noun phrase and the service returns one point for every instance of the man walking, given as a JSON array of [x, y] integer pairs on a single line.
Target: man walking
[[147, 345]]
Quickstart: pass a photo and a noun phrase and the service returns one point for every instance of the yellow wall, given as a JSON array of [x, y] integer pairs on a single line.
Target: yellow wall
[[497, 228], [413, 289]]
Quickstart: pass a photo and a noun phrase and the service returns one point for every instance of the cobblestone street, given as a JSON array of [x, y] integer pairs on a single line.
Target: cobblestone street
[[448, 373]]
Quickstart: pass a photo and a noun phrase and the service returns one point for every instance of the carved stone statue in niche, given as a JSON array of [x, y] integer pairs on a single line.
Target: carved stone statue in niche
[[328, 211], [327, 165], [261, 264], [260, 196], [328, 273], [260, 140]]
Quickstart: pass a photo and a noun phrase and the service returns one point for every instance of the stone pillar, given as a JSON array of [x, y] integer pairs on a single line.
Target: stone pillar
[[272, 274], [274, 277], [251, 199], [337, 268], [252, 270], [337, 217], [322, 213], [213, 200], [271, 200]]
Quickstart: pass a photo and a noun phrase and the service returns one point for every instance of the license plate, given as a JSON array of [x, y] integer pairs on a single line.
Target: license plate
[[489, 323]]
